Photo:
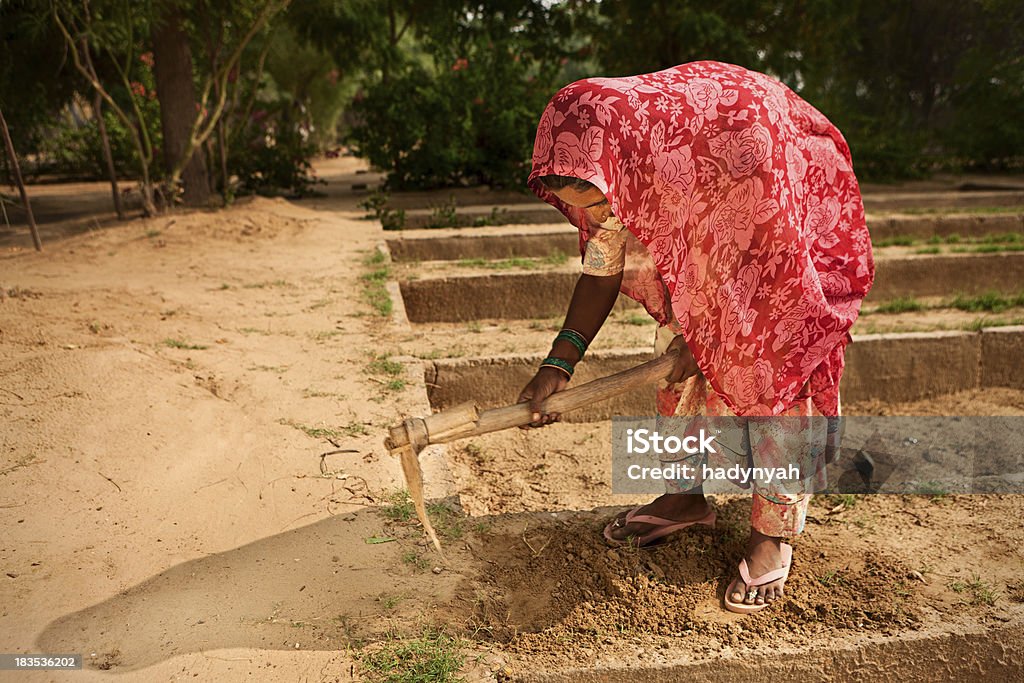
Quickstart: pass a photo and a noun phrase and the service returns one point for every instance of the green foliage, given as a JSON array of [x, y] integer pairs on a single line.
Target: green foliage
[[376, 204], [464, 110], [915, 86], [900, 305], [73, 148], [271, 153], [33, 85]]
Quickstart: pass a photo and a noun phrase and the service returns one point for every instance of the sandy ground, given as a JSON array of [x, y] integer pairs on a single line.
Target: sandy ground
[[191, 424], [168, 389]]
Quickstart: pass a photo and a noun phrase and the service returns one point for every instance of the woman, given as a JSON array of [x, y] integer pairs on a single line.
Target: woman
[[727, 206]]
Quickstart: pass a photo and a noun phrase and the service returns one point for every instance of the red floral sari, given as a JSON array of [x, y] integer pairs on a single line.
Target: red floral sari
[[749, 229]]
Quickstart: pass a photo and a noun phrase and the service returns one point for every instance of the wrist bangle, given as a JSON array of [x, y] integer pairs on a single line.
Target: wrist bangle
[[578, 341], [563, 365]]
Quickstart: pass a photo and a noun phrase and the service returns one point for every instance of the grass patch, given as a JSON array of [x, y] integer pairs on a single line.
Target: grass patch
[[1003, 238], [925, 210], [898, 241], [382, 365], [399, 506], [989, 302], [444, 215], [269, 368], [832, 578], [433, 657], [266, 284], [903, 304], [448, 522], [932, 489], [351, 429], [314, 432], [997, 248], [415, 560], [374, 285], [498, 216], [179, 344], [928, 250], [979, 591], [847, 500], [324, 335]]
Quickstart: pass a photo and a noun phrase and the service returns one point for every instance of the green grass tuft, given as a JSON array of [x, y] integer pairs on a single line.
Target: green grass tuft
[[178, 344], [989, 302], [399, 506], [433, 657], [900, 305], [981, 593]]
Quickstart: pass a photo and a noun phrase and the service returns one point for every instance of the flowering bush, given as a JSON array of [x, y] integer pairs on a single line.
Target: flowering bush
[[468, 115]]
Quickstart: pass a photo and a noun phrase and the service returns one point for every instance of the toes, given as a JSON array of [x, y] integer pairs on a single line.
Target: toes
[[769, 594], [737, 591]]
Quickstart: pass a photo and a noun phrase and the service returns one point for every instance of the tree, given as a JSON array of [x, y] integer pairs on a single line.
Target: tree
[[114, 36], [16, 175], [175, 89]]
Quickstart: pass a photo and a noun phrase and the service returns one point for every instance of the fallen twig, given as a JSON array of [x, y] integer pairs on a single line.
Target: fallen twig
[[109, 479]]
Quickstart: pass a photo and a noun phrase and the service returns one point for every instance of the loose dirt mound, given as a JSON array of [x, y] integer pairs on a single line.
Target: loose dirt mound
[[555, 587]]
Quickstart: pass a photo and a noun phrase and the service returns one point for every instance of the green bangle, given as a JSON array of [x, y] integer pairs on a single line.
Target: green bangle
[[578, 341], [563, 365]]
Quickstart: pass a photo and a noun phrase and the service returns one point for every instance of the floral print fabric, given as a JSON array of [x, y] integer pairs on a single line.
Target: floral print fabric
[[745, 214], [777, 509]]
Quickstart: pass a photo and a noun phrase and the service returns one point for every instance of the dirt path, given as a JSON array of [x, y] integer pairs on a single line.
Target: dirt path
[[168, 389]]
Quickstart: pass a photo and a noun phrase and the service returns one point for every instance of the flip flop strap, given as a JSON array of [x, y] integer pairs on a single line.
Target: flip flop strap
[[651, 519], [631, 516], [767, 577]]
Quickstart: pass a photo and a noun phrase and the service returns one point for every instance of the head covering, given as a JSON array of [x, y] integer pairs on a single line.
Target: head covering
[[744, 200]]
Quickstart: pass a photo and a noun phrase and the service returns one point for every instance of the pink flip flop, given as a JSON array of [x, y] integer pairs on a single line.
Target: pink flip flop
[[665, 527], [768, 577]]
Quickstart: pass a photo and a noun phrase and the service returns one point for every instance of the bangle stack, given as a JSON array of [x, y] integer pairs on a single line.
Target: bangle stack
[[578, 341], [563, 365]]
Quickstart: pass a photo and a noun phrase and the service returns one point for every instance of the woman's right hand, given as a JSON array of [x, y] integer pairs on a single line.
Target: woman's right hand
[[547, 381]]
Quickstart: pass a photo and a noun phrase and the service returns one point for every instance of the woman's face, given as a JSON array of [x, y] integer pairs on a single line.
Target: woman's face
[[596, 204]]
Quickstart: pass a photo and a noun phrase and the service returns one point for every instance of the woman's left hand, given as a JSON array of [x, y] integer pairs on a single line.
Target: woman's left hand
[[686, 365]]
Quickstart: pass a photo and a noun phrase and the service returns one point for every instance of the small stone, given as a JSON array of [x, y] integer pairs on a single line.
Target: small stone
[[296, 646], [437, 570]]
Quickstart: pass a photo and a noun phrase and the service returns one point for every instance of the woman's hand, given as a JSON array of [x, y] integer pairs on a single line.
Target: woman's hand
[[686, 365], [547, 381]]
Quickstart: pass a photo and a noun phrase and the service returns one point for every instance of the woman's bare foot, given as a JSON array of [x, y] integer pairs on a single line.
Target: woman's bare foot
[[764, 554], [680, 507]]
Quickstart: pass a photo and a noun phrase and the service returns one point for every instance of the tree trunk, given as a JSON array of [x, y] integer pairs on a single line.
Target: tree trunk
[[108, 157], [16, 172], [178, 109]]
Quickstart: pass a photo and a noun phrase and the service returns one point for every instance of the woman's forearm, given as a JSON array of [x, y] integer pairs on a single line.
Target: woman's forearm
[[592, 301]]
